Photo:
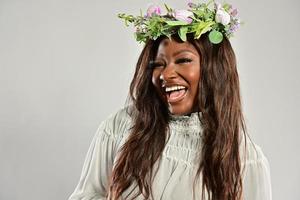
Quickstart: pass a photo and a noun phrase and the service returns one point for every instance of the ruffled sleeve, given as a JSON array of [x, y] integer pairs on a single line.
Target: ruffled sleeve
[[97, 167], [257, 179]]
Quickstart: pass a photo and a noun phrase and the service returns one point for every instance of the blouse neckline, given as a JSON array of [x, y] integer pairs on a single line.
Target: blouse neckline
[[192, 119]]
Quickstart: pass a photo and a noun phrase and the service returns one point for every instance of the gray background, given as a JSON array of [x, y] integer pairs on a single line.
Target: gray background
[[66, 65]]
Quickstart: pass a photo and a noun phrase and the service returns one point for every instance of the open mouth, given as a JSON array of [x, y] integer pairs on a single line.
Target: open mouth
[[175, 93]]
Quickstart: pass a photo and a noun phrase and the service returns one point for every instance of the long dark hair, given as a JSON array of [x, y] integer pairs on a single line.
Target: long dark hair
[[222, 121]]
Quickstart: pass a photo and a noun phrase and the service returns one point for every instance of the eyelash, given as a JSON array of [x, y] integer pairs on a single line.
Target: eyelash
[[178, 61], [183, 60]]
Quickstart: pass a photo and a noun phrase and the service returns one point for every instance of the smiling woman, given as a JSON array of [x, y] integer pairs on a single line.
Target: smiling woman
[[183, 135], [176, 75]]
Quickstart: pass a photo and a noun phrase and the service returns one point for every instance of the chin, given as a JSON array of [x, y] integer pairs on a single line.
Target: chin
[[177, 110]]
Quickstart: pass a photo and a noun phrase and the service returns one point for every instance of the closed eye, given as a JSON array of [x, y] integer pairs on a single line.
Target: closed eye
[[154, 64], [183, 60]]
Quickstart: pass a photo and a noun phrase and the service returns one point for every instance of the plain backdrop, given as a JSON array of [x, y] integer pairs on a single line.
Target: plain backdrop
[[65, 65]]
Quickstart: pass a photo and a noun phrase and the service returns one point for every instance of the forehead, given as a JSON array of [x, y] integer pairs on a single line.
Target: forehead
[[167, 46]]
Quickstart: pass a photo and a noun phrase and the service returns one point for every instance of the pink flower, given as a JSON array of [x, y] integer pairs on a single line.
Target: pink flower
[[234, 12], [183, 15], [153, 10], [191, 4], [222, 17]]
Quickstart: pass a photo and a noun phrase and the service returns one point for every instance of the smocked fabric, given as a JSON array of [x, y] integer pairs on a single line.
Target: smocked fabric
[[176, 168]]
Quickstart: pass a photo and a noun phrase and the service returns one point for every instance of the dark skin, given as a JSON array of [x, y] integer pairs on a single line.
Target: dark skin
[[177, 64]]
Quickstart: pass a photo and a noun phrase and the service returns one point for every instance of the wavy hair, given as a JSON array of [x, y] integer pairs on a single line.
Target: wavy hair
[[222, 121]]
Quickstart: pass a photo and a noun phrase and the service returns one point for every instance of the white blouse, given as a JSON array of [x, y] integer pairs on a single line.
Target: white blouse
[[177, 167]]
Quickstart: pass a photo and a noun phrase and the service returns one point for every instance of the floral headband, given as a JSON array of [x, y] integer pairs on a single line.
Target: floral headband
[[218, 19]]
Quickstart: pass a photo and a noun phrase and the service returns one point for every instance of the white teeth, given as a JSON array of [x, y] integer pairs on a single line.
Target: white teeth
[[172, 88]]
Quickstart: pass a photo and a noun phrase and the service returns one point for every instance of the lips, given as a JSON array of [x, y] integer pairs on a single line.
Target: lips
[[174, 92], [176, 96]]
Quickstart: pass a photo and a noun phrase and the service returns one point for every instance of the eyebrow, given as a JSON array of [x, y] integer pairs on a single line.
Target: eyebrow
[[179, 52]]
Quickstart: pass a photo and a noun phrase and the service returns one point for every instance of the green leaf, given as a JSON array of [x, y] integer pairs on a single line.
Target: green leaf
[[215, 37], [209, 2], [182, 33], [176, 23], [167, 8], [202, 27], [199, 13], [226, 7], [204, 30]]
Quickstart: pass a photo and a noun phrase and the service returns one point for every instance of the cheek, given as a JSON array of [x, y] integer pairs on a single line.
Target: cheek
[[193, 75], [194, 78]]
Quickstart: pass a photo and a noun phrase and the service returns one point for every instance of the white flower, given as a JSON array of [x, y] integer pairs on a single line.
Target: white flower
[[184, 15], [222, 16], [217, 5]]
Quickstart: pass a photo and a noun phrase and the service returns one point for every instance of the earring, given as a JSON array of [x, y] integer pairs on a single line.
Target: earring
[[161, 77]]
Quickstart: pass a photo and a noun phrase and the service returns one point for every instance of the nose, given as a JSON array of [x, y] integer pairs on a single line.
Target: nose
[[168, 73]]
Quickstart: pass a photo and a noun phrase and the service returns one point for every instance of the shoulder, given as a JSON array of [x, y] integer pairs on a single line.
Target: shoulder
[[116, 124], [250, 151], [256, 172], [253, 156]]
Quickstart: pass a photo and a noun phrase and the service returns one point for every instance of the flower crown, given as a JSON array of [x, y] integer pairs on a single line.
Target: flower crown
[[218, 19]]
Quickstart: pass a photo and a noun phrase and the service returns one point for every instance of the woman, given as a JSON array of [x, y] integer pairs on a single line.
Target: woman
[[183, 136]]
